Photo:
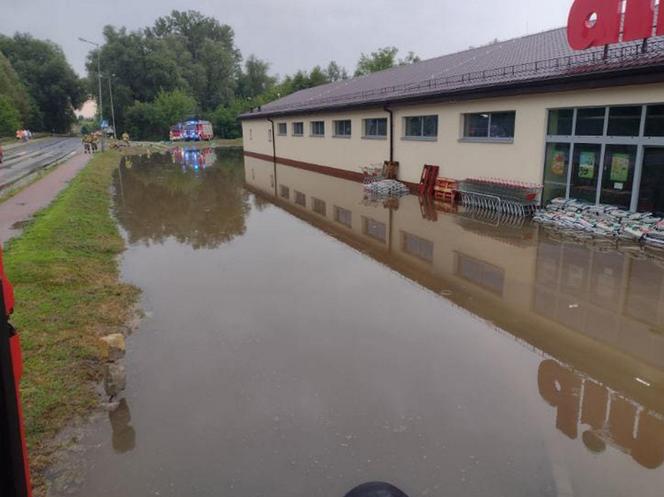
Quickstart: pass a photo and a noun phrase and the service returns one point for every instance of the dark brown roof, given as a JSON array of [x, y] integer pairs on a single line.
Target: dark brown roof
[[538, 57]]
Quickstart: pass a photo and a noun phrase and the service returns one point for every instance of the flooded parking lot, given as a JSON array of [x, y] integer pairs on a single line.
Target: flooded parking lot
[[301, 339]]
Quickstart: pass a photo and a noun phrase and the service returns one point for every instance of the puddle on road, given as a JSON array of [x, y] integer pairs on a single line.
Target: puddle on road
[[303, 340]]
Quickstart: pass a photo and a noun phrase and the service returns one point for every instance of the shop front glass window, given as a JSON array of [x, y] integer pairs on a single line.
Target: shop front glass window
[[624, 121], [560, 122], [590, 122], [651, 194], [585, 170], [655, 120], [555, 171], [618, 175]]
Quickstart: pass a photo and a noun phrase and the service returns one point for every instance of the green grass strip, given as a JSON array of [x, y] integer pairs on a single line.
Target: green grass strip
[[64, 268]]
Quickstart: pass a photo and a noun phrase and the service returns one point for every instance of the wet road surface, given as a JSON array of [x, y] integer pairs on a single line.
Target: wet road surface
[[302, 340], [17, 211], [24, 159]]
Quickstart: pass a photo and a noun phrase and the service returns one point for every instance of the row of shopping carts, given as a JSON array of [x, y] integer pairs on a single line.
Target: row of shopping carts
[[514, 198]]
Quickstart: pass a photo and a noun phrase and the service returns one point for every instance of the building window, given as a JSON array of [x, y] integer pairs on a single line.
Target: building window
[[298, 129], [618, 175], [585, 171], [343, 216], [375, 128], [300, 198], [590, 121], [251, 133], [624, 121], [651, 194], [318, 206], [284, 192], [416, 246], [481, 273], [490, 126], [282, 129], [317, 128], [342, 129], [421, 127], [606, 153], [374, 229], [655, 120], [269, 135], [560, 122], [556, 164]]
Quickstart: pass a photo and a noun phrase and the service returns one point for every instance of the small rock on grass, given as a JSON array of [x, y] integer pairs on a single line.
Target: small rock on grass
[[115, 346]]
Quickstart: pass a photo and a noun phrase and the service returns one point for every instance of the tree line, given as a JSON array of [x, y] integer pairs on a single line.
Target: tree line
[[39, 90], [184, 65]]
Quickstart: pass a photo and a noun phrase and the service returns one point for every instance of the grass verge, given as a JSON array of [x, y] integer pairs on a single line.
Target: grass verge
[[65, 272]]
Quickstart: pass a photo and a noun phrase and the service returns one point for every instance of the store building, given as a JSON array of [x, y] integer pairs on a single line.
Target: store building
[[586, 124]]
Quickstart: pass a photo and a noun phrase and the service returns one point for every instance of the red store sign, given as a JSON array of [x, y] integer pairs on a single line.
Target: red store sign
[[595, 23]]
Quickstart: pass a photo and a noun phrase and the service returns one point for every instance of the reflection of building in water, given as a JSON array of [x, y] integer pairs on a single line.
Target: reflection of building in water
[[607, 417], [596, 311], [193, 158]]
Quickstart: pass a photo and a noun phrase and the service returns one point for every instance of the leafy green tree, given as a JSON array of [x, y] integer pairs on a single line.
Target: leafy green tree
[[173, 107], [51, 82], [12, 88], [142, 122], [411, 58], [140, 68], [254, 80], [334, 72], [10, 117], [381, 59], [214, 60], [152, 120]]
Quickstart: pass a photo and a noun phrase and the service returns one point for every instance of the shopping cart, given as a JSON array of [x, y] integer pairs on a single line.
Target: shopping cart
[[372, 173], [515, 198]]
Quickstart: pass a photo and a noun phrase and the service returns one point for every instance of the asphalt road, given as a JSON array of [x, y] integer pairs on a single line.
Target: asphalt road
[[21, 160]]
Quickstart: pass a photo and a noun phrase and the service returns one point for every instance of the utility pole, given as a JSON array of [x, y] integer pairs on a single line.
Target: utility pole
[[101, 104], [110, 91]]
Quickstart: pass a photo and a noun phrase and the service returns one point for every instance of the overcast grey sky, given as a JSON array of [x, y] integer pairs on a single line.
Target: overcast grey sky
[[299, 34]]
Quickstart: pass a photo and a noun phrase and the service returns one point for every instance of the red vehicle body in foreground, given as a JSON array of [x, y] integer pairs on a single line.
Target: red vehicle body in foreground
[[14, 467]]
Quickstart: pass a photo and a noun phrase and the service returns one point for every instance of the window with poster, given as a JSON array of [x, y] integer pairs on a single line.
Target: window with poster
[[611, 155]]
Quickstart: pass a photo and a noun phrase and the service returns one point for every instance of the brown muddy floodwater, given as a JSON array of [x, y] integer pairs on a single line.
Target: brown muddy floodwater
[[301, 340]]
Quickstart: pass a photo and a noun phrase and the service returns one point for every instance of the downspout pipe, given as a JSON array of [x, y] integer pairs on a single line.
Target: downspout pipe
[[391, 113], [274, 153]]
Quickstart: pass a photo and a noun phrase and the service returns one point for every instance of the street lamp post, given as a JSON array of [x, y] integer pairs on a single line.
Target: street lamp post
[[101, 104], [110, 91]]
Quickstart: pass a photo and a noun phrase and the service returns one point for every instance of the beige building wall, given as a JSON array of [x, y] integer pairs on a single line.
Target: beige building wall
[[520, 160]]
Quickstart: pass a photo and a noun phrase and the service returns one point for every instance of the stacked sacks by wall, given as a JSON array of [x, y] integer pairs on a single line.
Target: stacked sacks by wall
[[602, 221]]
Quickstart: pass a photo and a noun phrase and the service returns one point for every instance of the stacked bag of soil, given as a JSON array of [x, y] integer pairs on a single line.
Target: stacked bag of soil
[[602, 221]]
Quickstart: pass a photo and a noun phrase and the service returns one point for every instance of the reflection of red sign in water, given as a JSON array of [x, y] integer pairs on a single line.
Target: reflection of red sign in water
[[594, 23]]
